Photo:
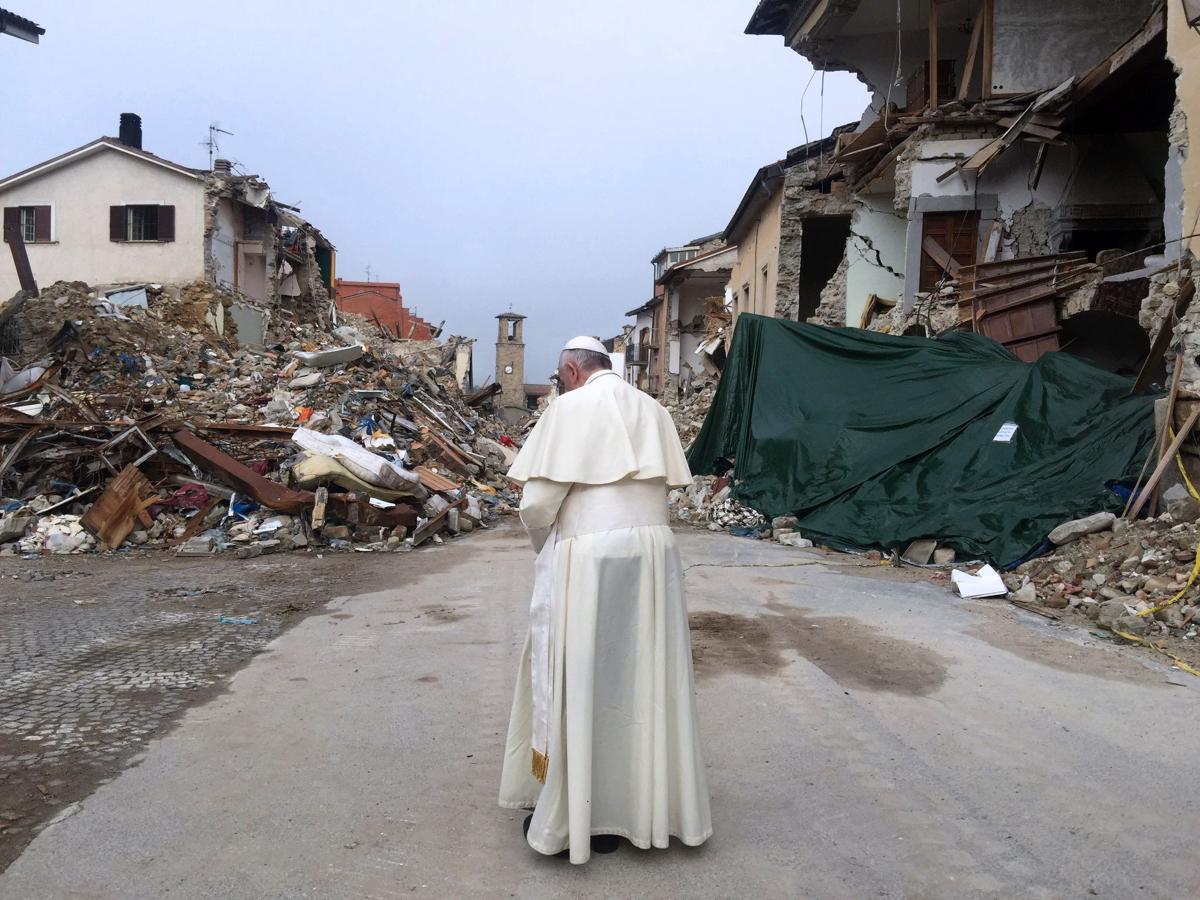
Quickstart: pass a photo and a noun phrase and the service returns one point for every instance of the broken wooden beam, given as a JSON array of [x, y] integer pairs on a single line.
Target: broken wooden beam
[[1152, 481], [434, 525], [267, 492]]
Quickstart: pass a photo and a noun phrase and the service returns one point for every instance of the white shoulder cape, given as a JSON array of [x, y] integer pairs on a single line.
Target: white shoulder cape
[[603, 432]]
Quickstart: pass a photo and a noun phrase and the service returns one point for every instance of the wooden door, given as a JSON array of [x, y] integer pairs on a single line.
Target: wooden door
[[955, 232]]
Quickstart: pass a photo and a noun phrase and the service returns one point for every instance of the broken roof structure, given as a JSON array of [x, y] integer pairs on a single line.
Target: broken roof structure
[[20, 27], [1013, 170], [110, 212]]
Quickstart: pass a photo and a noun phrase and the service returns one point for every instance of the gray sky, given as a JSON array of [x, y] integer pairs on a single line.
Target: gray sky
[[480, 153]]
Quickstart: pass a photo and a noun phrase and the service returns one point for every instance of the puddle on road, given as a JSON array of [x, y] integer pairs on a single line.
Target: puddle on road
[[444, 615], [851, 652]]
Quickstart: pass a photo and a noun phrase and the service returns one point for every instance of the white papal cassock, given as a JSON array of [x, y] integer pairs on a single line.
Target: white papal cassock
[[604, 708]]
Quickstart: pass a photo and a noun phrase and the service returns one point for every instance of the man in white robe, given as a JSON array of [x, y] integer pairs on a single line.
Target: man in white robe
[[603, 738]]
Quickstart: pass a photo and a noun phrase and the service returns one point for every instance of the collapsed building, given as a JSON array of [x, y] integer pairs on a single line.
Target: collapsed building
[[202, 392], [1020, 183], [1018, 171], [112, 214]]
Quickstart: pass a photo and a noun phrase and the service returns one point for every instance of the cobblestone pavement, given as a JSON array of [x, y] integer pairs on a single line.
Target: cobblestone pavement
[[99, 655]]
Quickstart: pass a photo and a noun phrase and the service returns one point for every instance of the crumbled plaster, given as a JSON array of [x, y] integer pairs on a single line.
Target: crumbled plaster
[[1027, 231], [903, 175], [1177, 126], [832, 309], [214, 188], [931, 315], [1158, 305]]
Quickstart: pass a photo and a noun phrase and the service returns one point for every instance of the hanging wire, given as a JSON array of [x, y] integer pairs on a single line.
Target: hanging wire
[[899, 61], [803, 93]]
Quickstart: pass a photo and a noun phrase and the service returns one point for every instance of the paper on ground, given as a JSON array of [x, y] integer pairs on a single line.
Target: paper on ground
[[984, 583]]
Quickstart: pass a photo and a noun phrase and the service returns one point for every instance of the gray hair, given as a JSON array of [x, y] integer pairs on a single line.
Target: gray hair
[[587, 360]]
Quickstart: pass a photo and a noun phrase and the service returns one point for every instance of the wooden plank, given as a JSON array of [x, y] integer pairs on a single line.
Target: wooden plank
[[1039, 163], [111, 519], [1152, 481], [1038, 131], [938, 254], [999, 288], [1163, 339], [1168, 421], [433, 481], [17, 449], [879, 167], [979, 158], [434, 525], [321, 498], [16, 244], [933, 54], [985, 73], [269, 493], [964, 84]]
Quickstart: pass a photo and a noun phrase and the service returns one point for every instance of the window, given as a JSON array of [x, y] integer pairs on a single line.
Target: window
[[141, 223], [28, 224], [31, 222]]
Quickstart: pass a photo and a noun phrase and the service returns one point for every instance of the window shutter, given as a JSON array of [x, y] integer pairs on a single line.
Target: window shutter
[[41, 223], [116, 223], [12, 219], [166, 223]]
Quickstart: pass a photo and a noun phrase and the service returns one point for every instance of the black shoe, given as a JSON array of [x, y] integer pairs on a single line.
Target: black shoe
[[605, 843], [525, 827]]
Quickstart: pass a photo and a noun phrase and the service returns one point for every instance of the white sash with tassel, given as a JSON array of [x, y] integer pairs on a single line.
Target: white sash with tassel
[[541, 662]]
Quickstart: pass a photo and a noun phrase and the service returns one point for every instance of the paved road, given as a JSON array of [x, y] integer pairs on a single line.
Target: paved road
[[864, 738]]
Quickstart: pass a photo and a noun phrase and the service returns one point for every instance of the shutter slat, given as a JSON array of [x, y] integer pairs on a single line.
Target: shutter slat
[[41, 223], [166, 223], [12, 219], [116, 223]]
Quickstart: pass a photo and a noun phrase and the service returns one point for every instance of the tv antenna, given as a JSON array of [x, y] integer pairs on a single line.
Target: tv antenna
[[214, 128]]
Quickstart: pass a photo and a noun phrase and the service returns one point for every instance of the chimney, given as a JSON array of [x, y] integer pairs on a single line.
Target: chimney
[[131, 130], [222, 167]]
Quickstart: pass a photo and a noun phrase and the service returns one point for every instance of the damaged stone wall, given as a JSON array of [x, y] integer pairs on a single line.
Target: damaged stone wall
[[832, 311], [800, 201]]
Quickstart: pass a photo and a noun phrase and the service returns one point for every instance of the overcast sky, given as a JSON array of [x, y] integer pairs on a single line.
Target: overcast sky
[[482, 153]]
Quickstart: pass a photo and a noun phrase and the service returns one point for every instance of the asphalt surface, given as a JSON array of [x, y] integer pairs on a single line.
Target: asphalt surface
[[865, 737]]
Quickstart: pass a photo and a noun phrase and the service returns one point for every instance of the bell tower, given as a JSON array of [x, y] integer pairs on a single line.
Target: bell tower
[[510, 360]]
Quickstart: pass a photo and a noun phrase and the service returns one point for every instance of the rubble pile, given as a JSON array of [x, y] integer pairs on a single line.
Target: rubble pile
[[708, 503], [1134, 577], [134, 417], [689, 411]]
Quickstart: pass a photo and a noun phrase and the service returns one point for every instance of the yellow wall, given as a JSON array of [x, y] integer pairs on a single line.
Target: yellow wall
[[758, 244], [1183, 48]]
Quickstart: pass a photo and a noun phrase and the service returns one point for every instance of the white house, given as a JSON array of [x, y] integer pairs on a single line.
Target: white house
[[111, 213]]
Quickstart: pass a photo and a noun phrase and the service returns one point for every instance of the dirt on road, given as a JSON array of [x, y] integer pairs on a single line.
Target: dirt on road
[[98, 656]]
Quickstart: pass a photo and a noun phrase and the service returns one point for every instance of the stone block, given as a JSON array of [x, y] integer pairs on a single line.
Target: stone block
[[1077, 528], [795, 539]]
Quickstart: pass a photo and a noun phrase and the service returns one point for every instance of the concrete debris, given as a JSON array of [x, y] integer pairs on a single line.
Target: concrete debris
[[302, 441], [1074, 530], [1138, 580]]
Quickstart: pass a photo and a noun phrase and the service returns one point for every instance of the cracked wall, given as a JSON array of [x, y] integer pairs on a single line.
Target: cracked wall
[[876, 254]]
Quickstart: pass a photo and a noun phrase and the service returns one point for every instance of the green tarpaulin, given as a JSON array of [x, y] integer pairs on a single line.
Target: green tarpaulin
[[874, 441]]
